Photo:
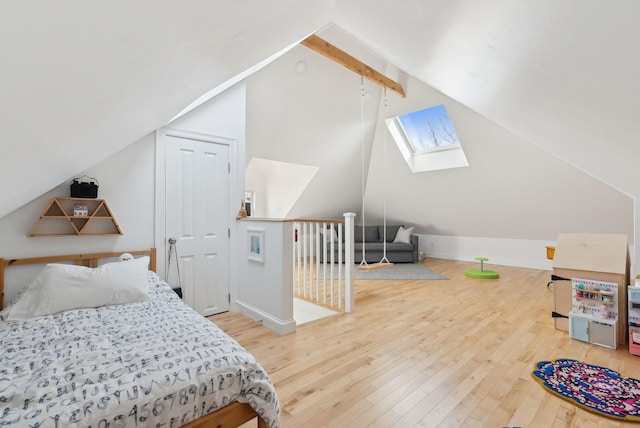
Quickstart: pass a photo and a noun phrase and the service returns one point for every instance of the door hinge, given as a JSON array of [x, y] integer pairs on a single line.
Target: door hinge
[[229, 232], [229, 296], [229, 168]]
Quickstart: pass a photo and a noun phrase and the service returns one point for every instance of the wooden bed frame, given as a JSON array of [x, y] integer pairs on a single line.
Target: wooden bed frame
[[230, 416]]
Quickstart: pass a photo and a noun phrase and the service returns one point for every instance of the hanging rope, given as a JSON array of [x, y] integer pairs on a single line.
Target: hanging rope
[[384, 262], [364, 260], [384, 259]]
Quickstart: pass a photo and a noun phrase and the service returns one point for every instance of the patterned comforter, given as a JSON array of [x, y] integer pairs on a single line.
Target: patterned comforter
[[155, 363]]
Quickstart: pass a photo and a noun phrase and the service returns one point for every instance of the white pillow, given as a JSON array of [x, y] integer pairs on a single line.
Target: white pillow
[[404, 235], [62, 287]]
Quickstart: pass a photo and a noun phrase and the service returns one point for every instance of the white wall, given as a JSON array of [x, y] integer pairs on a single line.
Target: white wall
[[126, 184], [276, 186], [514, 194], [265, 289], [510, 203], [507, 252], [312, 118], [511, 189]]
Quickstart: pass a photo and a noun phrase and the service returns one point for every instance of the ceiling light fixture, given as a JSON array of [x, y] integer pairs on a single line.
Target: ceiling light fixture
[[301, 67]]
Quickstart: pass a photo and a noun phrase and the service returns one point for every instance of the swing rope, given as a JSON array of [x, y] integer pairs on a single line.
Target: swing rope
[[363, 263], [384, 260]]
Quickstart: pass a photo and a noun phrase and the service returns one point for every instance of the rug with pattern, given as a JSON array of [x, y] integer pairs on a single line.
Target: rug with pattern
[[594, 388]]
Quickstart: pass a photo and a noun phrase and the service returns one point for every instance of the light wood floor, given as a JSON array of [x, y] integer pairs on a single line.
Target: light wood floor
[[449, 353]]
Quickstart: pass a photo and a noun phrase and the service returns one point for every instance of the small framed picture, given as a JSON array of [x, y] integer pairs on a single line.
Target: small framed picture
[[80, 210], [256, 244]]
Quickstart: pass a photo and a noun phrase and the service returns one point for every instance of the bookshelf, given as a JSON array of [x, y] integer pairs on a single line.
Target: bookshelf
[[75, 217]]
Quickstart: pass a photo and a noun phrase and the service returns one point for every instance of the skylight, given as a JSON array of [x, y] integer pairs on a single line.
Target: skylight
[[427, 139]]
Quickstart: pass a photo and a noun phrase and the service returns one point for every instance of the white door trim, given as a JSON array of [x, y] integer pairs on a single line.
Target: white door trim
[[160, 193]]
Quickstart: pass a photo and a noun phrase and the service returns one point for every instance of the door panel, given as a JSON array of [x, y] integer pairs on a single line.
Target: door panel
[[197, 215]]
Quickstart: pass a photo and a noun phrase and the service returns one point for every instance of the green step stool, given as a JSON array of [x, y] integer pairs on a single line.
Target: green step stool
[[481, 273]]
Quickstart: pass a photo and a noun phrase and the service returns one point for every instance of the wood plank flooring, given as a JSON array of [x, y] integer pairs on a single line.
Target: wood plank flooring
[[447, 353]]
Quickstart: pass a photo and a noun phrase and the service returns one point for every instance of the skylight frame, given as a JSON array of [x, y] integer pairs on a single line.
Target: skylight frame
[[442, 131], [411, 148], [426, 159]]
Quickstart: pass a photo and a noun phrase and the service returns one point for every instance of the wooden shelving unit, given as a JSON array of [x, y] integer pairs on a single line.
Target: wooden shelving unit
[[58, 219]]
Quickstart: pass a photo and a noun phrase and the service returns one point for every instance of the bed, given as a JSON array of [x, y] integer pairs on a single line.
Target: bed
[[131, 362]]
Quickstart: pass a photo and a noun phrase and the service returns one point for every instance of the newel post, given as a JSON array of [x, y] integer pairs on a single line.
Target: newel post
[[350, 270]]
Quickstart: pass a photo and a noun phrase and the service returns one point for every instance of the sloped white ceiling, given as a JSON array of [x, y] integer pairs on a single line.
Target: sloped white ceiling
[[560, 74], [82, 80], [512, 188]]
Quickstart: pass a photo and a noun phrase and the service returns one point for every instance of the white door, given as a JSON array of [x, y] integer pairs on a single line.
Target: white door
[[197, 216]]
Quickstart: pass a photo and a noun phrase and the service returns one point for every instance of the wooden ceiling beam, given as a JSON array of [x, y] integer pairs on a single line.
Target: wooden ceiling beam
[[330, 51]]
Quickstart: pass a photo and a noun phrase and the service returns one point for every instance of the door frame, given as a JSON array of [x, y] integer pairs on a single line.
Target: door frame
[[160, 196]]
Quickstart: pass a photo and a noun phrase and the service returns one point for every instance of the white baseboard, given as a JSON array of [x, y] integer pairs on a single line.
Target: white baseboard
[[269, 321], [524, 253]]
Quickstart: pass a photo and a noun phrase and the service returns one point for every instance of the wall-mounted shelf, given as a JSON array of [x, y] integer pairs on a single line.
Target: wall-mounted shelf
[[605, 297], [75, 217]]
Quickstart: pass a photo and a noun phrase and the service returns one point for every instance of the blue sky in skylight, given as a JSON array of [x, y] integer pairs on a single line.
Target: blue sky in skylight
[[429, 129]]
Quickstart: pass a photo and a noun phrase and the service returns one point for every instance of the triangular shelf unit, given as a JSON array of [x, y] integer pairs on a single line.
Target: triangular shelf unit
[[75, 216]]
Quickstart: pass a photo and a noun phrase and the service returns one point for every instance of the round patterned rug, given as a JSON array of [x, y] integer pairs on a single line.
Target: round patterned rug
[[594, 388]]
